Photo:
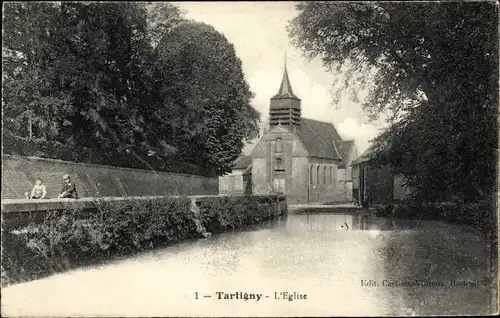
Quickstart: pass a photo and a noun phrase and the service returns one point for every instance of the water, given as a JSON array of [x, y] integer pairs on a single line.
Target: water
[[345, 265]]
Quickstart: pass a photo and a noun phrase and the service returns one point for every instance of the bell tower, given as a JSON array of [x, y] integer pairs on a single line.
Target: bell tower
[[285, 106]]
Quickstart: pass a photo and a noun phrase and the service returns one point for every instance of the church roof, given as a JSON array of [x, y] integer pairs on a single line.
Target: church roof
[[319, 138], [345, 147], [242, 162], [285, 90]]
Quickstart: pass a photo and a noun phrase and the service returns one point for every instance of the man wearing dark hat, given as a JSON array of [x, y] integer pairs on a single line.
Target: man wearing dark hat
[[68, 189]]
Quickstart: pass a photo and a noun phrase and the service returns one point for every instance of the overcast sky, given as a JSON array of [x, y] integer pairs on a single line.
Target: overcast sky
[[258, 32]]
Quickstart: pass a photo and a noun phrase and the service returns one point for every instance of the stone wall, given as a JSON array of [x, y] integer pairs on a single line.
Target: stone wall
[[19, 175], [232, 183]]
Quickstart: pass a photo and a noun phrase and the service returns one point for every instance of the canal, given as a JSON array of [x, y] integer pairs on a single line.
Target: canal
[[304, 265]]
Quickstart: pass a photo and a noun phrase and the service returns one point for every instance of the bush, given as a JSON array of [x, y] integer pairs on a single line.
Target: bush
[[69, 238], [223, 213], [382, 210], [480, 214]]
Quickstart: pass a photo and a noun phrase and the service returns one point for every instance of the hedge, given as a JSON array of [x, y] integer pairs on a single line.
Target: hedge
[[223, 213], [71, 238]]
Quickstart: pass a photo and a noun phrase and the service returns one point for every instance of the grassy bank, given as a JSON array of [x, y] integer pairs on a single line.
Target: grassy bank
[[71, 238]]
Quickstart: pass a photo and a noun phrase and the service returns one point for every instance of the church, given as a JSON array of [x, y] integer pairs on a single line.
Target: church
[[302, 158]]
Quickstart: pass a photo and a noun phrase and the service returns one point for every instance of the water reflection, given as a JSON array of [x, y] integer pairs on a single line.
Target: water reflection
[[326, 256], [349, 222]]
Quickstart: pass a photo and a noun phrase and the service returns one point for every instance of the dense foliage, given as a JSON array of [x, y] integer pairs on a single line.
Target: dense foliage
[[433, 68], [71, 238], [475, 213], [134, 80], [223, 213]]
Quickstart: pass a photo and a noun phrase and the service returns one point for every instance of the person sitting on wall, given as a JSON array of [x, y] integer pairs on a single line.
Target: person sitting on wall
[[68, 189], [39, 191]]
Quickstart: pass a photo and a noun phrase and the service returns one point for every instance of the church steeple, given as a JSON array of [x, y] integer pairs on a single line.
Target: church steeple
[[285, 106], [285, 87]]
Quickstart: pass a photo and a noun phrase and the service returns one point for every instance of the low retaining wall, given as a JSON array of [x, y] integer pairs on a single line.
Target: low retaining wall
[[37, 243], [19, 175], [21, 212]]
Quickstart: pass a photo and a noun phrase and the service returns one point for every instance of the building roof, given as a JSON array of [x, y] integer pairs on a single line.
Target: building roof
[[285, 90], [318, 137], [345, 147], [365, 156], [242, 162]]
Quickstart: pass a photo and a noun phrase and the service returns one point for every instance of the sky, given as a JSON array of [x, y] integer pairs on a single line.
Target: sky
[[258, 32]]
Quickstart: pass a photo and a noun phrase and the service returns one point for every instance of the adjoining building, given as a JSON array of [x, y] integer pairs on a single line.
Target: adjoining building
[[376, 185], [304, 159], [239, 181]]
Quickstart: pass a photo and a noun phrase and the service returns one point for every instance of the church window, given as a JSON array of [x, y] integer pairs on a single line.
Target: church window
[[311, 174], [332, 174], [278, 164], [279, 145], [318, 175]]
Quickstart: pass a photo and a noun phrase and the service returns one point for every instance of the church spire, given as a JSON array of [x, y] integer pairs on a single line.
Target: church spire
[[285, 106], [285, 87]]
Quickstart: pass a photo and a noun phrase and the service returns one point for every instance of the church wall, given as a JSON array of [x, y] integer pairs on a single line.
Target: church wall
[[324, 188], [298, 149], [260, 184], [323, 161], [300, 179], [264, 158], [287, 156]]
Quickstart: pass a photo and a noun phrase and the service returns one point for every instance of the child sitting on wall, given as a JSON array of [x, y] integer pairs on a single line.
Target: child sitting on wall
[[39, 191]]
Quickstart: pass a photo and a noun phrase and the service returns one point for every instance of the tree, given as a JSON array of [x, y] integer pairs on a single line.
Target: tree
[[162, 18], [203, 95], [134, 82], [31, 108], [436, 68], [74, 69]]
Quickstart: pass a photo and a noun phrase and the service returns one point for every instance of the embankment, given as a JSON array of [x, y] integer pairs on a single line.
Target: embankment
[[40, 243]]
